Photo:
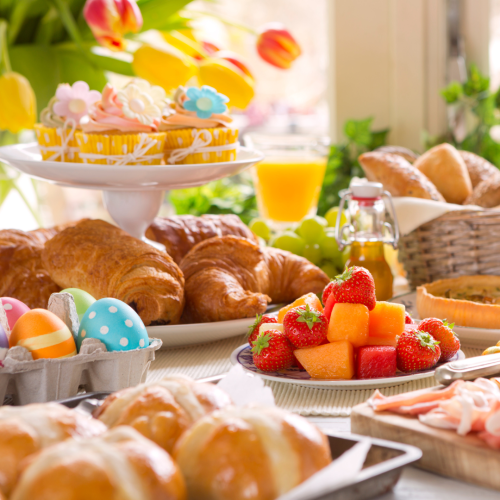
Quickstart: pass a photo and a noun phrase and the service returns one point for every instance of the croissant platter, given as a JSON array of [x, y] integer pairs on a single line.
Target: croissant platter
[[105, 261], [231, 278]]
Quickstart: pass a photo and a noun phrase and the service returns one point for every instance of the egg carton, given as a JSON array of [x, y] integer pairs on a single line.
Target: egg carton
[[42, 380]]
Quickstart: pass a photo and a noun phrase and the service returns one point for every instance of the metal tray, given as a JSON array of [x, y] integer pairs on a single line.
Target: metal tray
[[381, 471]]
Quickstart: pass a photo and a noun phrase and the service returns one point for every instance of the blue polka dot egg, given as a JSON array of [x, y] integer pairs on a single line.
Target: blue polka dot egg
[[115, 324]]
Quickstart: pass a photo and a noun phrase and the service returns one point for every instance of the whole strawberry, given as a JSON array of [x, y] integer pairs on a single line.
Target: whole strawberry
[[355, 285], [408, 319], [253, 330], [305, 327], [272, 352], [417, 350], [442, 331], [327, 292]]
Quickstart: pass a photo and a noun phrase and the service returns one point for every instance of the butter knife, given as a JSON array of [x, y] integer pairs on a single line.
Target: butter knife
[[468, 369]]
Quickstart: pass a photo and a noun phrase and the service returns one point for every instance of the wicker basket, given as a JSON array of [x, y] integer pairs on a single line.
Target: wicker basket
[[455, 244]]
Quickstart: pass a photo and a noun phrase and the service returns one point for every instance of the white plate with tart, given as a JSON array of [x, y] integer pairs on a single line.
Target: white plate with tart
[[243, 356], [448, 299]]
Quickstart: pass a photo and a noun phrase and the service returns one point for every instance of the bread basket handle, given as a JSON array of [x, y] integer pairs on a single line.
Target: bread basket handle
[[393, 230]]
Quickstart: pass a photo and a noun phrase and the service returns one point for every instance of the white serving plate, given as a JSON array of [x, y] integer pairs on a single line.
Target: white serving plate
[[469, 336], [27, 159], [243, 356]]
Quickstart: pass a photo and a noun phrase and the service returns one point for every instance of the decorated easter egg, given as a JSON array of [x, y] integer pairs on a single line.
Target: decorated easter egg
[[14, 309], [83, 300], [4, 340], [115, 324], [43, 334]]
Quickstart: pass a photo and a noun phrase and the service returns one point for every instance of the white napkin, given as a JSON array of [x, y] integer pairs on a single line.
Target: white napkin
[[333, 477], [413, 212]]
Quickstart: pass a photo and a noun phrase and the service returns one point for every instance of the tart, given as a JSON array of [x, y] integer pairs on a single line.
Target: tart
[[466, 301]]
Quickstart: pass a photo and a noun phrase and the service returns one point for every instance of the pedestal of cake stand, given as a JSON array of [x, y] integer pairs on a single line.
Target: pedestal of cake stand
[[133, 211]]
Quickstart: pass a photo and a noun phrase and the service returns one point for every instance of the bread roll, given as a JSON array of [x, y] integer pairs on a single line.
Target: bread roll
[[121, 465], [445, 167], [252, 453], [487, 193], [398, 176], [406, 153], [479, 169], [24, 430], [162, 410]]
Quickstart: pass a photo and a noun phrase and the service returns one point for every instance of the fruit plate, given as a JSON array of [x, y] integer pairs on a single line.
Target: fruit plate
[[243, 356], [200, 333], [469, 336]]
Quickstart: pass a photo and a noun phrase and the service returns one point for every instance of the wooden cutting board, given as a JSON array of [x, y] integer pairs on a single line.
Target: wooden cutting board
[[466, 458]]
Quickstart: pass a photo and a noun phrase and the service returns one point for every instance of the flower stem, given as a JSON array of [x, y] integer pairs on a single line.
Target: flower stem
[[4, 53], [34, 213], [239, 26]]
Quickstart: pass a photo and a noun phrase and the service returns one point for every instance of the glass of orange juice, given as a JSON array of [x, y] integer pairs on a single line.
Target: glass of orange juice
[[288, 181]]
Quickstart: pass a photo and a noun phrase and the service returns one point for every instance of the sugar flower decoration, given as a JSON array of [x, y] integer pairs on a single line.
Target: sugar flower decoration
[[205, 101], [156, 92], [74, 101], [139, 105]]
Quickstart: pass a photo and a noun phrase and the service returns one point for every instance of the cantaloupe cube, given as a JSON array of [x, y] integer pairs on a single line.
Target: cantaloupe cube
[[382, 341], [349, 322], [309, 298], [387, 320], [329, 361]]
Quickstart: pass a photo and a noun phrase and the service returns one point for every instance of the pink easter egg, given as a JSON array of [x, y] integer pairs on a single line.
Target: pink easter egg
[[14, 309]]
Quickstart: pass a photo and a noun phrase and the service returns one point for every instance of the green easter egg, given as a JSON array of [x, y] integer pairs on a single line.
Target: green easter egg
[[83, 300]]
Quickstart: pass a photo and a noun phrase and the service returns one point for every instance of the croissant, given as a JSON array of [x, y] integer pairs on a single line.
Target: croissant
[[25, 430], [118, 465], [231, 278], [180, 233], [105, 261]]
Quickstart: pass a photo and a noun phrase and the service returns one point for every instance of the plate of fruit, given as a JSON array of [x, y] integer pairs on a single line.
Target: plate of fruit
[[347, 340]]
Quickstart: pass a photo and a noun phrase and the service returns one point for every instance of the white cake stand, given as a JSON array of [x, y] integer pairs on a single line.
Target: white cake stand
[[132, 194]]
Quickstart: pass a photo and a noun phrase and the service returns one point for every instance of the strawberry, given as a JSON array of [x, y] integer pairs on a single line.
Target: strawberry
[[442, 331], [305, 327], [417, 350], [355, 285], [272, 351], [327, 292], [253, 330], [408, 319]]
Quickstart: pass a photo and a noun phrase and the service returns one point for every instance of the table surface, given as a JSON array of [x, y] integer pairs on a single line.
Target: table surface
[[416, 484]]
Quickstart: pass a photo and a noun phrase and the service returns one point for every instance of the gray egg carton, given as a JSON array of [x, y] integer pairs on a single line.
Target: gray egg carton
[[42, 380]]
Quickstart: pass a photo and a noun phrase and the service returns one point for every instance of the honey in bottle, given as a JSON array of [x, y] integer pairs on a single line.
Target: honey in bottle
[[365, 232]]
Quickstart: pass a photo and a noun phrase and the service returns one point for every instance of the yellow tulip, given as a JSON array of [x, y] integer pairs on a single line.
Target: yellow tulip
[[228, 79], [185, 44], [166, 68], [17, 103]]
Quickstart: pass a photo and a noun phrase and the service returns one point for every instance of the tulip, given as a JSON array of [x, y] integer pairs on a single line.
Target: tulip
[[167, 68], [184, 43], [235, 59], [276, 45], [228, 79], [109, 20], [17, 103]]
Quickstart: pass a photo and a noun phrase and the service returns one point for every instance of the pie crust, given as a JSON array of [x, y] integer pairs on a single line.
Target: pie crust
[[459, 311]]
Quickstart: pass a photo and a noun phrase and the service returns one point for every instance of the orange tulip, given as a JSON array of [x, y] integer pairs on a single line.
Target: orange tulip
[[109, 20], [276, 45]]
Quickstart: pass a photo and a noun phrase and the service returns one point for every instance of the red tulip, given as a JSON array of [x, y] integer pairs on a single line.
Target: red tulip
[[109, 20], [277, 46]]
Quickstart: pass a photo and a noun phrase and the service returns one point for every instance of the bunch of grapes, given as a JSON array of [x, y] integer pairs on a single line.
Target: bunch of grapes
[[313, 238]]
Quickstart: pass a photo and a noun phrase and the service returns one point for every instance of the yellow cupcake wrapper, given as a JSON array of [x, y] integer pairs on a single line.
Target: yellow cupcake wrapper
[[213, 145], [58, 143], [121, 149]]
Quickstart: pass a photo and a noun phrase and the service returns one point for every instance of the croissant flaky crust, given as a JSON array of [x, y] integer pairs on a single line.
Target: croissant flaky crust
[[116, 466], [231, 278], [180, 233], [105, 261], [24, 430], [162, 410]]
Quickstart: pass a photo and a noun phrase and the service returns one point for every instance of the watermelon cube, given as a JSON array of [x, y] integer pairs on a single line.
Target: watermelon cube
[[376, 362]]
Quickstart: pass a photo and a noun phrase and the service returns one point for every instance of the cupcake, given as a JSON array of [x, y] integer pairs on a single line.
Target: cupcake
[[198, 127], [123, 127], [60, 120]]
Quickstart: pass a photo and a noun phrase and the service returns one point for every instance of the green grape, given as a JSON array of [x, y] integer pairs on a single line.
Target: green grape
[[289, 241], [331, 217], [330, 270], [329, 246], [312, 252], [312, 229], [260, 228], [342, 258]]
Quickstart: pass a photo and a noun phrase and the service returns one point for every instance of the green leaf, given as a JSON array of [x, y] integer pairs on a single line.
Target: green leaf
[[379, 139], [452, 93], [22, 10], [358, 131], [50, 28], [156, 13], [476, 82]]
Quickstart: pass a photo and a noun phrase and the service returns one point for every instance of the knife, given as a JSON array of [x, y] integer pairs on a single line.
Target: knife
[[468, 369]]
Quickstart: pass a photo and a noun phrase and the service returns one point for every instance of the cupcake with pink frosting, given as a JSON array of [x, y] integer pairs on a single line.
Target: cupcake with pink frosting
[[122, 128], [199, 127]]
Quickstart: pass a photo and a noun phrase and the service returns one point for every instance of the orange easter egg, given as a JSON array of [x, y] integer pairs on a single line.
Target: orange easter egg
[[43, 334]]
